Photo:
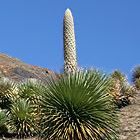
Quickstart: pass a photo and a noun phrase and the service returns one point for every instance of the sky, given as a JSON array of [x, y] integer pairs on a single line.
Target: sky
[[107, 32]]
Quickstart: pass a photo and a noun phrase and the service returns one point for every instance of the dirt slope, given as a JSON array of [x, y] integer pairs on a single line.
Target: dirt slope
[[130, 121], [17, 70]]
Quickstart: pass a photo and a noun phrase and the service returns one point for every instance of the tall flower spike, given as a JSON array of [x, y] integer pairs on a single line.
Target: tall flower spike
[[70, 60]]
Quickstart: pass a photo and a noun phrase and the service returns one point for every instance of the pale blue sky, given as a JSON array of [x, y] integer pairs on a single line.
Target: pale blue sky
[[107, 32]]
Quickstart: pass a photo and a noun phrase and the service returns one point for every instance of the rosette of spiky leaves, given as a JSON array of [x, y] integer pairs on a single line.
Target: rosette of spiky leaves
[[136, 73], [118, 75], [121, 89], [22, 118], [30, 89], [3, 121], [78, 107], [70, 60], [137, 83], [8, 92], [119, 83]]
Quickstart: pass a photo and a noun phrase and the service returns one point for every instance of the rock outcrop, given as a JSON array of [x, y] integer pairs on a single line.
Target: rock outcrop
[[17, 70]]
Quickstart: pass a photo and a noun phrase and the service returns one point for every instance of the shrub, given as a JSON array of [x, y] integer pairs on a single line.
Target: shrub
[[78, 107], [137, 83], [3, 121], [22, 118], [30, 89], [136, 74], [8, 92], [121, 89]]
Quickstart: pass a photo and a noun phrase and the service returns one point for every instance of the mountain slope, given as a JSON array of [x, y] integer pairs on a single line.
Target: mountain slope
[[17, 70], [130, 121]]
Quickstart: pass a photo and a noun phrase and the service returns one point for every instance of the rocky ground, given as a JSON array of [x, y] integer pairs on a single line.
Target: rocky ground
[[17, 70], [130, 121]]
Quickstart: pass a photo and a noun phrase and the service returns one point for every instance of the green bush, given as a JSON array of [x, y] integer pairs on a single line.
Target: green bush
[[121, 89], [21, 101], [118, 75], [30, 89], [78, 107], [8, 92], [3, 121], [22, 118], [137, 83], [136, 74]]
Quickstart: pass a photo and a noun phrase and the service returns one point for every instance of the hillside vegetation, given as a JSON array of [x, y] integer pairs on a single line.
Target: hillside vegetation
[[16, 71]]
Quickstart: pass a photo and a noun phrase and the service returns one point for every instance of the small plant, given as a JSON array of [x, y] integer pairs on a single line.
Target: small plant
[[8, 92], [121, 90], [78, 107], [118, 75], [137, 83], [136, 77], [118, 80], [21, 118], [30, 89], [136, 74], [3, 121]]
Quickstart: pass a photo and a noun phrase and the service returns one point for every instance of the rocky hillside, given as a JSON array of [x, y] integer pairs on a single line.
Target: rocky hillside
[[130, 121], [17, 70]]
